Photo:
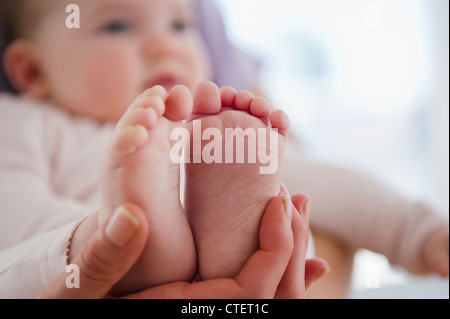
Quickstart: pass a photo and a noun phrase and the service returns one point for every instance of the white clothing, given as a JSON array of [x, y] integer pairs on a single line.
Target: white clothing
[[49, 167]]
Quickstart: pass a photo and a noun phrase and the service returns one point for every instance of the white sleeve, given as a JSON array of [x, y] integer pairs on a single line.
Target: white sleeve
[[28, 204], [35, 223], [27, 268], [362, 213], [28, 208]]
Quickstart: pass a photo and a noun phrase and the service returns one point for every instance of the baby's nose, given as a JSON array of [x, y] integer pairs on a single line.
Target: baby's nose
[[159, 46]]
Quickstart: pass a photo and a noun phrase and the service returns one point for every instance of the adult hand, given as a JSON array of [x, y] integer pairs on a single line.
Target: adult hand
[[277, 269], [300, 273], [105, 257]]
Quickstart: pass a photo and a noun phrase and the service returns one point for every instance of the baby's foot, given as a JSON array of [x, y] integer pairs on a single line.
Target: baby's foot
[[225, 202], [137, 169]]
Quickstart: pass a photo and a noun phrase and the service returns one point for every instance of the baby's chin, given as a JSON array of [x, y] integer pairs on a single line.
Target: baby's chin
[[110, 116]]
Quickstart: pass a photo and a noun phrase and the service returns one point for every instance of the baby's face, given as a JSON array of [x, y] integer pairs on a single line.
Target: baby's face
[[121, 48]]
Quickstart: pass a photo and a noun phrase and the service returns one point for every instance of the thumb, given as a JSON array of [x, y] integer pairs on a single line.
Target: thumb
[[315, 269], [105, 258]]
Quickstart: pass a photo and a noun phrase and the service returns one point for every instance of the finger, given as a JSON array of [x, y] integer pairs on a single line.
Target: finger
[[262, 273], [315, 269], [105, 258], [175, 290], [264, 270], [292, 285], [283, 190]]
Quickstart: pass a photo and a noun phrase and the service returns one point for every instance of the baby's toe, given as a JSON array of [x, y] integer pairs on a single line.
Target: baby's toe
[[228, 96], [154, 98], [280, 121], [243, 101], [207, 99], [146, 117], [146, 109], [179, 104], [125, 142], [261, 108]]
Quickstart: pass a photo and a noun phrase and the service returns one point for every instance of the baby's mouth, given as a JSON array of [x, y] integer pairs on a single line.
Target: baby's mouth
[[166, 81]]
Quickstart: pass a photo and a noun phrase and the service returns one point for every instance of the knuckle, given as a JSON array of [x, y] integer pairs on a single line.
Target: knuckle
[[258, 291], [290, 245], [94, 266]]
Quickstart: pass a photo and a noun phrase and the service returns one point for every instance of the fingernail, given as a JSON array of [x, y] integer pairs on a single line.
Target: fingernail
[[288, 208], [306, 208], [284, 190], [323, 273], [122, 227]]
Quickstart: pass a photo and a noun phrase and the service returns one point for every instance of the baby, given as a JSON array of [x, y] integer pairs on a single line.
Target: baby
[[95, 75]]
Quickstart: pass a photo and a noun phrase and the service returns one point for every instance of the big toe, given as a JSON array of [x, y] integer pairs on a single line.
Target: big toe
[[207, 98]]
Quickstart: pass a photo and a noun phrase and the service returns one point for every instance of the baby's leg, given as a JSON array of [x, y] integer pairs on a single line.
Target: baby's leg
[[225, 201], [137, 169]]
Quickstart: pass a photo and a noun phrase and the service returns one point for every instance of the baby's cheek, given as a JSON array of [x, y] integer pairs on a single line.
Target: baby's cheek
[[109, 87], [199, 61]]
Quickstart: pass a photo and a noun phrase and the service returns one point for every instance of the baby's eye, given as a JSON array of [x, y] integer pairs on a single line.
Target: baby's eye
[[118, 27], [179, 25]]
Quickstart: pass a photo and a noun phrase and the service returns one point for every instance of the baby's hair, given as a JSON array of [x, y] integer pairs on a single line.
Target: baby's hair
[[11, 17], [12, 26], [18, 18]]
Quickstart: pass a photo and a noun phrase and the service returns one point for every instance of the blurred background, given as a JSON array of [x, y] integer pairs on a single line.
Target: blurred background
[[365, 83]]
